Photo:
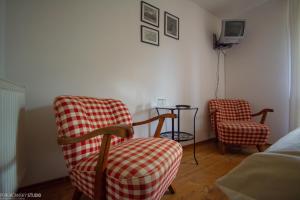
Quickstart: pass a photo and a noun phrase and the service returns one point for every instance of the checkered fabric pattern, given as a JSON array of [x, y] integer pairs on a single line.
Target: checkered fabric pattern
[[243, 132], [234, 125], [230, 110], [77, 116], [137, 168]]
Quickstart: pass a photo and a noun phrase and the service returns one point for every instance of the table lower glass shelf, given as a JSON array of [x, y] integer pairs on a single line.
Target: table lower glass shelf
[[184, 136]]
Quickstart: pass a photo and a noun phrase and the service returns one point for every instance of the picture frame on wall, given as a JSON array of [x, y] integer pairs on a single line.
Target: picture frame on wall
[[149, 14], [171, 26], [149, 35]]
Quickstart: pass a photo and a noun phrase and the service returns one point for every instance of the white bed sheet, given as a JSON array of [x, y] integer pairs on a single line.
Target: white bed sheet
[[273, 174]]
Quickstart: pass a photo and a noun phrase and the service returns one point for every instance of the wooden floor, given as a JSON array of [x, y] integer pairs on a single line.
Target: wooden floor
[[192, 182]]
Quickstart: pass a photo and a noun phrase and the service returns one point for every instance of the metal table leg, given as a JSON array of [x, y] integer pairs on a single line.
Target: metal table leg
[[178, 139], [157, 111], [172, 111], [178, 125], [195, 136]]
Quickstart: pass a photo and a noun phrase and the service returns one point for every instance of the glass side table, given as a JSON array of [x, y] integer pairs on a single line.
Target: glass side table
[[179, 135]]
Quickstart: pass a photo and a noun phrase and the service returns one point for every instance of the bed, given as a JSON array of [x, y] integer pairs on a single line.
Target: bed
[[273, 174]]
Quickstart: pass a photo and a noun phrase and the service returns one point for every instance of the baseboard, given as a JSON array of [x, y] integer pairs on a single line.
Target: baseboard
[[207, 140], [200, 142], [44, 184]]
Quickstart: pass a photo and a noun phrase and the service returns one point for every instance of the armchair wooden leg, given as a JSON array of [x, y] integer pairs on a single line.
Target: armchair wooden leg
[[260, 147], [77, 194], [171, 189], [222, 147]]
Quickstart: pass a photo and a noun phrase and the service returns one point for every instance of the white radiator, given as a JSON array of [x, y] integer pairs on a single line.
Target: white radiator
[[12, 106]]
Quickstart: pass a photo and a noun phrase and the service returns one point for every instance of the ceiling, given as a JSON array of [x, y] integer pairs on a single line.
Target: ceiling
[[229, 8]]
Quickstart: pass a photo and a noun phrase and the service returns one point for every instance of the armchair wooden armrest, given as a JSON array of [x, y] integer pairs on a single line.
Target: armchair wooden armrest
[[120, 131], [264, 113], [160, 118]]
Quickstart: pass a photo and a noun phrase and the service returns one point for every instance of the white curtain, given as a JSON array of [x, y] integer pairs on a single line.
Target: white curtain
[[294, 22]]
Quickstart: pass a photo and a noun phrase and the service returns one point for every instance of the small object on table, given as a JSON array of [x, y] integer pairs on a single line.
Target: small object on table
[[178, 135], [183, 106]]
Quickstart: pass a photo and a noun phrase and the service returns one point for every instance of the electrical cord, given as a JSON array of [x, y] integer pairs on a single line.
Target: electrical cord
[[218, 74]]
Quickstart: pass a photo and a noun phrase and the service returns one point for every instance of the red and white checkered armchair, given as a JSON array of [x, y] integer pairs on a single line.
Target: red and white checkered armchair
[[232, 123], [103, 159]]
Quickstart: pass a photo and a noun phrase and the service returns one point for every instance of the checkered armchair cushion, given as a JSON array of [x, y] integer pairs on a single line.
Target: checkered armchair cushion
[[78, 116], [141, 168], [233, 124], [137, 169]]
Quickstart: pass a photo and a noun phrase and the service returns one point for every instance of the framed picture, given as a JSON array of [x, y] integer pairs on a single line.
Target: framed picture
[[149, 14], [171, 26], [149, 35]]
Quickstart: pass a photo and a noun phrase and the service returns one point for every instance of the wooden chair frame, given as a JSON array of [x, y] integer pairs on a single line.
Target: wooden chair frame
[[123, 131], [264, 112]]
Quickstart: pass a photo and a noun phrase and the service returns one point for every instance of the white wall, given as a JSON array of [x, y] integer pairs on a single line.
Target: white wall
[[93, 48], [258, 68], [2, 37]]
